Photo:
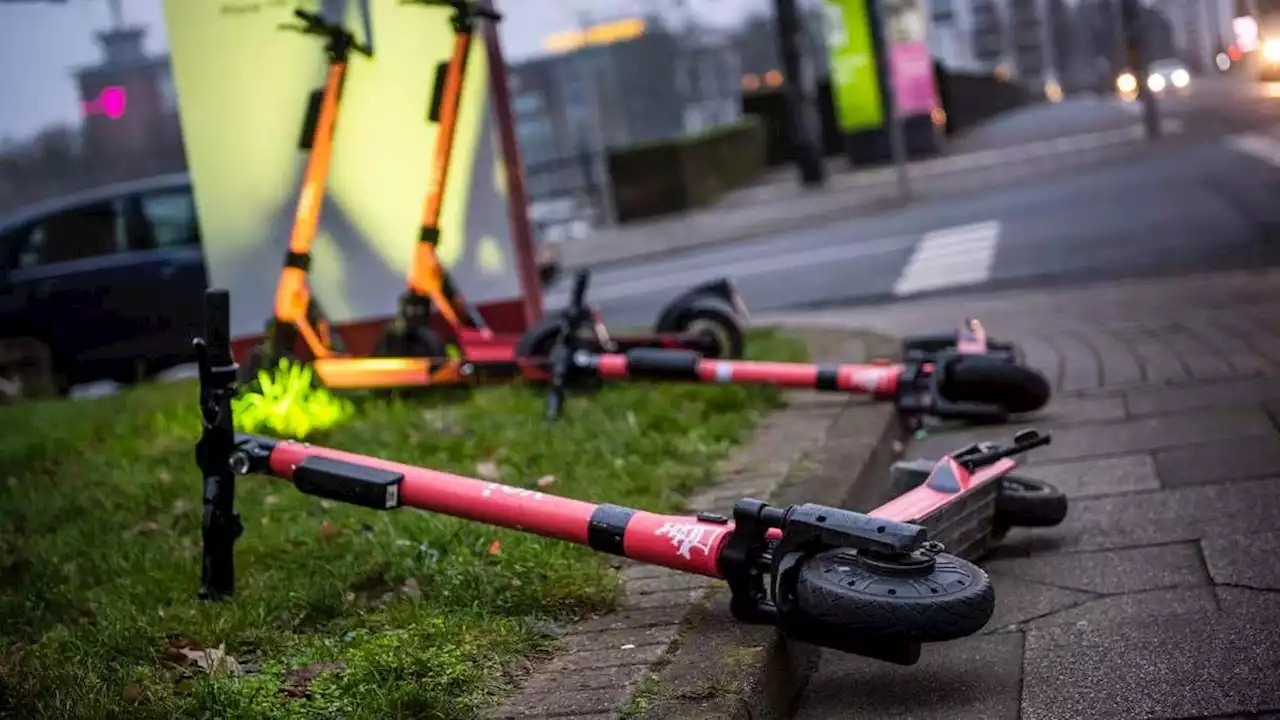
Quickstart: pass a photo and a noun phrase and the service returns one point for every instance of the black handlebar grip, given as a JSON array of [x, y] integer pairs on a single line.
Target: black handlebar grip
[[217, 325], [580, 289]]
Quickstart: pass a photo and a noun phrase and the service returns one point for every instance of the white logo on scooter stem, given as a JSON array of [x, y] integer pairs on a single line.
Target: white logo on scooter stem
[[866, 380], [508, 490], [685, 537]]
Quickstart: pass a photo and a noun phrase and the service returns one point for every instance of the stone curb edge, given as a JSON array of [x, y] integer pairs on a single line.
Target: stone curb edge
[[723, 669], [609, 665]]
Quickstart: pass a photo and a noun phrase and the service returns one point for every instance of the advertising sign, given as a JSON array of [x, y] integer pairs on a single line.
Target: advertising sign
[[854, 83], [910, 61], [243, 85]]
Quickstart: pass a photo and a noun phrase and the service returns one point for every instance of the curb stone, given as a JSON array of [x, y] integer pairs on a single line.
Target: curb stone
[[672, 646]]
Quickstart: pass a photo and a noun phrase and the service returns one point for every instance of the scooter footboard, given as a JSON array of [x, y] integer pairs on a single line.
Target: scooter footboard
[[965, 524]]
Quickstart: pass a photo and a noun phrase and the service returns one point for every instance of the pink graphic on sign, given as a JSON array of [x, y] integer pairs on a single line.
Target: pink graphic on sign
[[111, 101], [911, 67]]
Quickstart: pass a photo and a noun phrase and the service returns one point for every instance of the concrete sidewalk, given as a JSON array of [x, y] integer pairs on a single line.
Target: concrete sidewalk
[[1159, 597], [778, 204]]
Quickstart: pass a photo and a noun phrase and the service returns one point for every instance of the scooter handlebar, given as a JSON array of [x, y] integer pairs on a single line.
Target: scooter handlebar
[[579, 296]]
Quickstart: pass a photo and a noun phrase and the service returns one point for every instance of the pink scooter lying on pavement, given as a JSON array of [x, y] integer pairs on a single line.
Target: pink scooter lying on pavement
[[878, 584]]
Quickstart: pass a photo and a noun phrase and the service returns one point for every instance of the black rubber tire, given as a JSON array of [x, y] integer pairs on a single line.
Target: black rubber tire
[[934, 342], [1016, 388], [30, 364], [538, 340], [417, 343], [1027, 502], [953, 601], [718, 320]]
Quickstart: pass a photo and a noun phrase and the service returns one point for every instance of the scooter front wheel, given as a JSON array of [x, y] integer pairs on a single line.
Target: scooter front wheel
[[977, 379], [946, 599]]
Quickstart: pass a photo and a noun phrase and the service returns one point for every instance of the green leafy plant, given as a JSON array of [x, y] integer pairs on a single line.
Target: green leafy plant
[[288, 403]]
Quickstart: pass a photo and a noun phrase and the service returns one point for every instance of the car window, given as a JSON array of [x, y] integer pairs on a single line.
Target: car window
[[168, 220], [86, 232]]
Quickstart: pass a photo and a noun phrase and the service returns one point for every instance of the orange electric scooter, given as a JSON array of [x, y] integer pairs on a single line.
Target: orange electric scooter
[[297, 314], [707, 318]]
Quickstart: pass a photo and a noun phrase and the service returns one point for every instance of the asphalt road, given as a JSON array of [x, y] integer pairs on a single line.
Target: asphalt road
[[1204, 201]]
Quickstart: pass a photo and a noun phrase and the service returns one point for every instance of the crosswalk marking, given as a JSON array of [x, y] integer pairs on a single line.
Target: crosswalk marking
[[951, 257], [1264, 148]]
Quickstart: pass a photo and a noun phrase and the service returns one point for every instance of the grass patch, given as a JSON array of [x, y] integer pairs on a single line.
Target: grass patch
[[340, 612]]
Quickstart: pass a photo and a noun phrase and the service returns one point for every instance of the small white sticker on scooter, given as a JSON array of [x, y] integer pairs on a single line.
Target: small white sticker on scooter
[[724, 373]]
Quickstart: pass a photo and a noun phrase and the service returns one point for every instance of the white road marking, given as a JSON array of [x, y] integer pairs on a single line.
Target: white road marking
[[1264, 148], [741, 269], [951, 257]]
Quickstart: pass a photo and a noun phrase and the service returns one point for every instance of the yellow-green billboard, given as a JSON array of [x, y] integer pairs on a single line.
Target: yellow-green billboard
[[243, 86]]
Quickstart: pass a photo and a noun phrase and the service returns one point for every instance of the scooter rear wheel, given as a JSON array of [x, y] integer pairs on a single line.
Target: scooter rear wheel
[[1027, 502], [717, 322], [412, 343], [948, 599], [1016, 388]]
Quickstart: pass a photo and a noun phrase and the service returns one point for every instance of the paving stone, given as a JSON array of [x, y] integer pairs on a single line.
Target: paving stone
[[1244, 601], [1064, 410], [605, 639], [1230, 347], [1112, 608], [1224, 461], [1154, 433], [674, 581], [611, 657], [1109, 572], [669, 615], [1200, 360], [1153, 518], [1119, 438], [1159, 363], [1081, 369], [975, 678], [584, 678], [1251, 560], [675, 598], [559, 704], [1237, 392], [1019, 601], [1106, 476], [1119, 365], [1176, 666]]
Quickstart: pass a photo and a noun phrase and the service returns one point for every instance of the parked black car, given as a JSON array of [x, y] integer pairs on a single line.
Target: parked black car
[[103, 284], [106, 284]]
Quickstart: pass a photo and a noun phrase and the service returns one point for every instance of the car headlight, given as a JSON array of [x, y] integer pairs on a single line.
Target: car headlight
[[1156, 82], [1271, 50], [1126, 83], [1180, 78]]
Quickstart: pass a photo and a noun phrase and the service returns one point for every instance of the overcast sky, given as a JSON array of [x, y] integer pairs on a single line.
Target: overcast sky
[[41, 43]]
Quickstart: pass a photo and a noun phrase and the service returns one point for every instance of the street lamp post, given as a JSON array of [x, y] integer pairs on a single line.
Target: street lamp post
[[798, 103]]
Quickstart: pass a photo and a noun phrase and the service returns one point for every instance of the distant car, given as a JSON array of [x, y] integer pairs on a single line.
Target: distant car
[[105, 284], [1163, 76]]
